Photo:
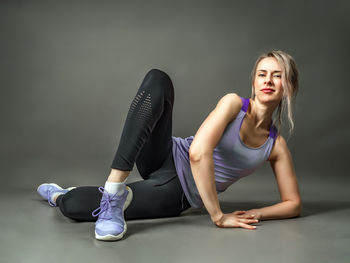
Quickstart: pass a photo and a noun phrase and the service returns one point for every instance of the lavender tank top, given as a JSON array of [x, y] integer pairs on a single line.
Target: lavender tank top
[[232, 158]]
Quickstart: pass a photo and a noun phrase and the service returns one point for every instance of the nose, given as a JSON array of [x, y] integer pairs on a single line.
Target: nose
[[268, 79]]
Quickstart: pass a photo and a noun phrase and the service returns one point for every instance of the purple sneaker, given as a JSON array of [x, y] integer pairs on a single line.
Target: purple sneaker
[[111, 224], [48, 190]]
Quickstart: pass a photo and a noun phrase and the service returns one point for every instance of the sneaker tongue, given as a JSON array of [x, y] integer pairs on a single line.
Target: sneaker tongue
[[110, 205], [112, 210]]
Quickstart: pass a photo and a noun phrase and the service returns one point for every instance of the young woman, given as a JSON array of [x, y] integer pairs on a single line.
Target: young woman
[[237, 137]]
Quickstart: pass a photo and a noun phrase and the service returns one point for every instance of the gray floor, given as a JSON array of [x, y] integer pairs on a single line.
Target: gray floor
[[34, 232]]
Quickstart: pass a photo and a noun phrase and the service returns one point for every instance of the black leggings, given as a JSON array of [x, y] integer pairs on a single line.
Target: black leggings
[[146, 140]]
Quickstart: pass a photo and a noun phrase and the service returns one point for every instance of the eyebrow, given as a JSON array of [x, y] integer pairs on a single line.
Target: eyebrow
[[264, 70]]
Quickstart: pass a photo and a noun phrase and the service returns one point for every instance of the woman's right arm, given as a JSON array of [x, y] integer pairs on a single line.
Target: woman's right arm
[[202, 163]]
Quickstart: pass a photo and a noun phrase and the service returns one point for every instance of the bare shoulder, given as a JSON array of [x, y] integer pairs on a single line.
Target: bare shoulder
[[232, 98], [279, 149], [212, 128], [231, 102]]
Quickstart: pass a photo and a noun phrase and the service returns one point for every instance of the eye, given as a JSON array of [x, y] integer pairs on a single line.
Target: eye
[[261, 75], [277, 76]]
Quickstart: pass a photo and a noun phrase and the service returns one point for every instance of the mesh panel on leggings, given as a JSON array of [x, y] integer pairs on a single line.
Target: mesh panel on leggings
[[141, 107]]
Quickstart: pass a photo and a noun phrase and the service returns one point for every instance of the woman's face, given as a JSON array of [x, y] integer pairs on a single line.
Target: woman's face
[[268, 80]]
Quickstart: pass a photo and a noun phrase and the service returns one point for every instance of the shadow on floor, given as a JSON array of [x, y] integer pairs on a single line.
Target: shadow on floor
[[309, 207]]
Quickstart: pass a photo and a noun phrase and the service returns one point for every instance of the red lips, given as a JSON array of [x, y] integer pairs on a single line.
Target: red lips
[[267, 90]]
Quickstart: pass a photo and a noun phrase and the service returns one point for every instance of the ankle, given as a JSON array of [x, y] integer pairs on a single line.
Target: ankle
[[115, 188], [117, 176], [55, 196]]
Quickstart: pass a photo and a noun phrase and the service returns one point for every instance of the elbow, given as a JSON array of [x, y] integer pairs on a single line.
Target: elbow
[[195, 155], [297, 209]]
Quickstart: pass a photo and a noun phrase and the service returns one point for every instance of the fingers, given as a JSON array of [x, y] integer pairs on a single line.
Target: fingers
[[244, 223], [248, 221], [246, 226], [239, 212], [246, 216], [234, 220]]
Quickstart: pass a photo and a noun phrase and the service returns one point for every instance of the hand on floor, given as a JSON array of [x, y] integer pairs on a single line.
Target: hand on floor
[[248, 214], [234, 220]]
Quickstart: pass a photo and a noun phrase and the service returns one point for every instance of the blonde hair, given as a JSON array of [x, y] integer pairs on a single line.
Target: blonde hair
[[290, 84]]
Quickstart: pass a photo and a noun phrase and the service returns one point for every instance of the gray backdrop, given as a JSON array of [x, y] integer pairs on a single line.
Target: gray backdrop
[[69, 70]]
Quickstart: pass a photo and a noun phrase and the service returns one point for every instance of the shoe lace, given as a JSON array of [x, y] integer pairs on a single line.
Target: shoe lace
[[105, 204], [51, 203]]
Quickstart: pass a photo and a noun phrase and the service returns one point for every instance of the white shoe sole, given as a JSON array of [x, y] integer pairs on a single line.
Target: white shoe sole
[[56, 185], [120, 236]]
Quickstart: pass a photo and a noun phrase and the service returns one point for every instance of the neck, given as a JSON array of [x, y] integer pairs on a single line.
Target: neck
[[261, 113]]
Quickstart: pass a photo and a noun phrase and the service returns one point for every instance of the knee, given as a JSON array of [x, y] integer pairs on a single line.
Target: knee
[[68, 208], [73, 209], [157, 73], [156, 76]]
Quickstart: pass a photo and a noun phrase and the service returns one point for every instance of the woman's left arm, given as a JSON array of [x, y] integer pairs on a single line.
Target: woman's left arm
[[282, 166]]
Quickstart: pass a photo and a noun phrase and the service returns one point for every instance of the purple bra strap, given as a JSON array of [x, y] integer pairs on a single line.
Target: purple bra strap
[[245, 105], [273, 132]]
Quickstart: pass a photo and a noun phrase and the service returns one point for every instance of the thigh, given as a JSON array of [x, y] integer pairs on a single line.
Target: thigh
[[159, 196], [159, 144]]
